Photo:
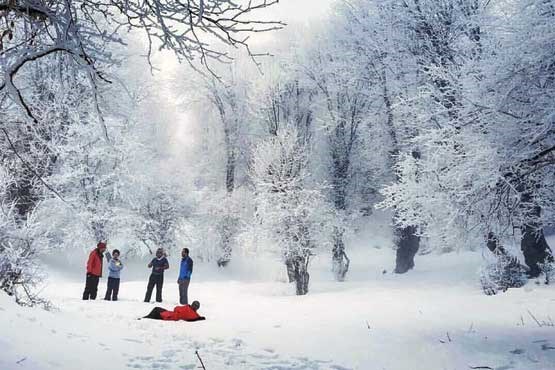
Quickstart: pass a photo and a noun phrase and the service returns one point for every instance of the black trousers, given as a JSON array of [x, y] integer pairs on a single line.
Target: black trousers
[[112, 289], [91, 287], [183, 290], [155, 313], [157, 280]]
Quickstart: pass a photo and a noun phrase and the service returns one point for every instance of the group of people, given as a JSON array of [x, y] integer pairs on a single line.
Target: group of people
[[159, 265]]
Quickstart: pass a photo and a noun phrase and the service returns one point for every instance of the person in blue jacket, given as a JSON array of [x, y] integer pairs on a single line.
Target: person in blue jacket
[[185, 272], [114, 268]]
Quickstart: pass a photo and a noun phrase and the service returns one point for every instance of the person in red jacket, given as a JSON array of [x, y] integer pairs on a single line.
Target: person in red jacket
[[94, 271], [186, 312]]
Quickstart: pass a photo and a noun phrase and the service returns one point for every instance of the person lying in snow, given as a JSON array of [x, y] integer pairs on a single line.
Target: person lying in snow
[[186, 312]]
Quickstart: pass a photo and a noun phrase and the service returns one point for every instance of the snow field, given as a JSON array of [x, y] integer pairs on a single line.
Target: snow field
[[435, 317]]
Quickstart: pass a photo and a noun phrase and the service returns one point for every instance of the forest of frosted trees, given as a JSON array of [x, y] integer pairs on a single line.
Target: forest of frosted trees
[[439, 112]]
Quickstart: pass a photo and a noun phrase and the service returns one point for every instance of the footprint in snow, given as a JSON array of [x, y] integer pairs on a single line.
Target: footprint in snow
[[76, 336], [133, 340], [145, 358], [156, 365], [517, 351], [547, 347], [505, 367], [236, 342]]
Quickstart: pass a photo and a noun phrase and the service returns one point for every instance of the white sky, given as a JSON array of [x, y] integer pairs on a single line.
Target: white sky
[[293, 12], [299, 10]]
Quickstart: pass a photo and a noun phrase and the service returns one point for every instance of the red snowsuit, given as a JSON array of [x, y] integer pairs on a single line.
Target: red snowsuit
[[94, 263], [180, 313]]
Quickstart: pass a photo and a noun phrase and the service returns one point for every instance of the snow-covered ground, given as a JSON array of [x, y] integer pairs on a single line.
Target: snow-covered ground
[[432, 318]]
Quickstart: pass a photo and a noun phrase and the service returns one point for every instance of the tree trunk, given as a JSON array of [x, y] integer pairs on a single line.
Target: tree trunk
[[297, 271], [341, 163], [227, 228], [290, 266], [340, 261], [226, 248], [407, 243], [534, 247]]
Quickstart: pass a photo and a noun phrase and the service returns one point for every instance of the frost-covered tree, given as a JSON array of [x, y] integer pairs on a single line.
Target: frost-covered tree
[[287, 103], [80, 30], [289, 211], [21, 245], [520, 107], [229, 95], [63, 143], [343, 83], [486, 151]]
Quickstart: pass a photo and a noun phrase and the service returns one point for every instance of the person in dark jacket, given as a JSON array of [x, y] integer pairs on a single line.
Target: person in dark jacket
[[186, 312], [94, 271], [114, 268], [158, 265], [185, 272]]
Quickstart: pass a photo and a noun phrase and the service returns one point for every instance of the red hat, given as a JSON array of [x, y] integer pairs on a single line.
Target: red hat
[[101, 245]]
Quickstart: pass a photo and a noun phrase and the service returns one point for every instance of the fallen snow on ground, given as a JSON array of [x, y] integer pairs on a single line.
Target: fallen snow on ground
[[434, 317]]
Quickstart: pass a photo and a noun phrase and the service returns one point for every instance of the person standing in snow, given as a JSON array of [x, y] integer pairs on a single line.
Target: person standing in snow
[[185, 272], [186, 312], [158, 265], [94, 271], [114, 268]]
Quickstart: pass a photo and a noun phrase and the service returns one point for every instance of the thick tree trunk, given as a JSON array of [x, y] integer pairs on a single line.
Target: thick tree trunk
[[290, 266], [407, 243], [534, 247], [297, 271]]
